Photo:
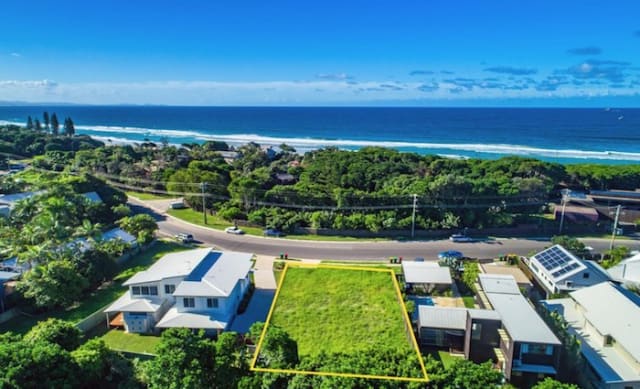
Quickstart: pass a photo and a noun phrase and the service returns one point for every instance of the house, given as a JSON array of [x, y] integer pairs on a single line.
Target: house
[[508, 331], [9, 201], [606, 320], [426, 276], [528, 349], [557, 270], [120, 234], [198, 289], [627, 272]]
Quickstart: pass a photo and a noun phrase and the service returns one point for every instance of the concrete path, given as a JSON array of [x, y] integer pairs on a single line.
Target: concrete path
[[262, 298]]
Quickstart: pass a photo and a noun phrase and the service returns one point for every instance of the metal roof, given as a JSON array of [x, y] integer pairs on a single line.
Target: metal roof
[[128, 304], [173, 319], [498, 283], [613, 311], [425, 273], [178, 264], [627, 270], [218, 275], [520, 319], [486, 314], [445, 318], [118, 233], [557, 263]]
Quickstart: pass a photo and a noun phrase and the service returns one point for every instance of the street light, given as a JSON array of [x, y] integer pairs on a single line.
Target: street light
[[565, 198], [614, 230]]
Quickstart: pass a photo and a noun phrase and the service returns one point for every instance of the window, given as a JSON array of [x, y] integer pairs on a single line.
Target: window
[[135, 290], [585, 275], [476, 331], [153, 290], [145, 290], [212, 303], [168, 289], [189, 302], [540, 349]]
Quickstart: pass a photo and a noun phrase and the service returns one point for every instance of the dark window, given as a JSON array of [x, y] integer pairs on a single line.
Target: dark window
[[189, 302], [168, 289], [476, 331], [153, 290], [135, 290], [585, 275], [144, 290], [212, 303]]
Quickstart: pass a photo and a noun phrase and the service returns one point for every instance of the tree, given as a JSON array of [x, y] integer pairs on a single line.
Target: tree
[[466, 374], [45, 119], [37, 364], [184, 359], [550, 383], [278, 350], [102, 367], [231, 365], [470, 274], [141, 226], [570, 243], [55, 124], [38, 126], [60, 332], [54, 284], [615, 256], [29, 123], [69, 127]]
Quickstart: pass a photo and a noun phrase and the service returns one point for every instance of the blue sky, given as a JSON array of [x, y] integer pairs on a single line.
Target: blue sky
[[489, 52]]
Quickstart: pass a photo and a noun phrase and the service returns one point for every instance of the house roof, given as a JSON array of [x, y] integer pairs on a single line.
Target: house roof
[[94, 197], [520, 319], [445, 318], [173, 318], [178, 264], [503, 269], [557, 263], [118, 233], [128, 304], [425, 273], [499, 283], [627, 270], [8, 275], [613, 311], [487, 314], [217, 275], [12, 199]]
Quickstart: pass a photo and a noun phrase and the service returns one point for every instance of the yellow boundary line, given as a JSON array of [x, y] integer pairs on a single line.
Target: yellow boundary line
[[391, 272]]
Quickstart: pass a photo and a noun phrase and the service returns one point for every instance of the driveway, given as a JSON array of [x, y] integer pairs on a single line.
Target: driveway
[[262, 298]]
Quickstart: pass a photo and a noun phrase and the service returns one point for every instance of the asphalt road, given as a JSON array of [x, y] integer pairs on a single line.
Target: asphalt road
[[369, 250]]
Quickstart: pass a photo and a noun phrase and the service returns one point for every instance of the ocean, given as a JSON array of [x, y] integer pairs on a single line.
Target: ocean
[[608, 136]]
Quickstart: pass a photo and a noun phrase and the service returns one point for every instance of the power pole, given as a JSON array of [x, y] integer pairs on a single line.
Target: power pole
[[615, 226], [204, 203], [413, 216], [564, 205]]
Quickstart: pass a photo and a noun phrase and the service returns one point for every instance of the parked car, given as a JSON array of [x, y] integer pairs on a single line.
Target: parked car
[[460, 238], [272, 232], [234, 230], [184, 237], [177, 204]]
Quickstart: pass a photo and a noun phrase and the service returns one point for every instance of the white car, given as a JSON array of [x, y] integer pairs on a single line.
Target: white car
[[460, 238], [233, 230]]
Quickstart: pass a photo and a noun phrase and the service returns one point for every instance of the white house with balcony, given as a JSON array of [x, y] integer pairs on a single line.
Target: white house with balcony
[[605, 318], [198, 289]]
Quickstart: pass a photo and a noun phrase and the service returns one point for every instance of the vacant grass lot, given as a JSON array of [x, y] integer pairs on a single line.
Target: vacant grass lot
[[340, 310]]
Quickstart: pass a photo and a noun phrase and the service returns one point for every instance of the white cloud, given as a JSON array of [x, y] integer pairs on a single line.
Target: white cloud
[[317, 92]]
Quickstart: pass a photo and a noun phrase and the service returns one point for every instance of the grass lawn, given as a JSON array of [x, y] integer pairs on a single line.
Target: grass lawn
[[468, 301], [336, 310], [135, 343], [148, 196], [99, 298], [443, 356]]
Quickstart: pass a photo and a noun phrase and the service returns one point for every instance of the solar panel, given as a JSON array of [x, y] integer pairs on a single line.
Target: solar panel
[[552, 258]]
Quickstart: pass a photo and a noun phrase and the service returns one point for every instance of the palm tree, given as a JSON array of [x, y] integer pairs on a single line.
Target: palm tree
[[25, 210], [93, 232]]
